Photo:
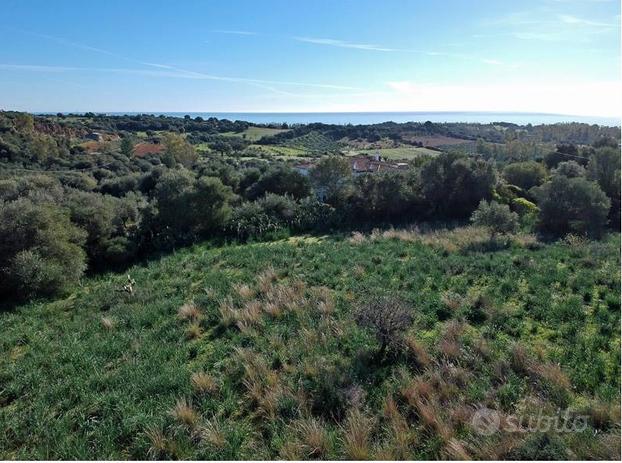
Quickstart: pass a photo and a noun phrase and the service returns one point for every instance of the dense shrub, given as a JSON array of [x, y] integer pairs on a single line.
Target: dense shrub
[[453, 185], [497, 218], [570, 169], [40, 249], [110, 223], [383, 196], [572, 205], [187, 208], [280, 180], [250, 220], [330, 178], [525, 175]]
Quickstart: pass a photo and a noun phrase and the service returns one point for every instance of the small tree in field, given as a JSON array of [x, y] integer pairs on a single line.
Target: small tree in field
[[497, 218], [387, 317]]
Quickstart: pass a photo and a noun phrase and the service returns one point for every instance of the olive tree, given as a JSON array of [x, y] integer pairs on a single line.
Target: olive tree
[[497, 218]]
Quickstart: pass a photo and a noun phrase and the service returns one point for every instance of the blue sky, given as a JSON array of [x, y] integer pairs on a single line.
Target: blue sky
[[456, 55]]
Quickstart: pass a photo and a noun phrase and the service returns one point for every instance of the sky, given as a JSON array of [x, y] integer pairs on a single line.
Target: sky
[[553, 56]]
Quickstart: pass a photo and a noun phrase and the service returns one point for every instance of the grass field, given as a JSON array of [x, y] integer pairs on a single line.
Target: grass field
[[255, 133], [278, 150], [405, 152], [251, 351]]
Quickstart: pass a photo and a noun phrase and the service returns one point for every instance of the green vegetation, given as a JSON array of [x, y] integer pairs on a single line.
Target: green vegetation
[[255, 133], [253, 351], [166, 300], [404, 152]]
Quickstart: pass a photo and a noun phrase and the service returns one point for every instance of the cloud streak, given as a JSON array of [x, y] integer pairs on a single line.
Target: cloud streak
[[343, 44], [234, 32], [173, 72]]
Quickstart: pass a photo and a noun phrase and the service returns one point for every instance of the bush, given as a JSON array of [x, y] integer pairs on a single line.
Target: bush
[[570, 169], [312, 214], [572, 205], [250, 221], [40, 250], [388, 317], [111, 224], [497, 218], [454, 185], [525, 175], [280, 180], [187, 208]]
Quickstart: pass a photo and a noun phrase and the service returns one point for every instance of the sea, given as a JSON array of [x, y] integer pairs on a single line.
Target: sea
[[356, 118]]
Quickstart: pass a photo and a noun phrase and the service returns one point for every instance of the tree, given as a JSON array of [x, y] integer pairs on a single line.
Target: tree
[[604, 168], [280, 180], [570, 169], [497, 218], [127, 146], [182, 151], [188, 208], [574, 205], [211, 205], [381, 196], [24, 122], [453, 185], [525, 175], [40, 250], [330, 177], [388, 317]]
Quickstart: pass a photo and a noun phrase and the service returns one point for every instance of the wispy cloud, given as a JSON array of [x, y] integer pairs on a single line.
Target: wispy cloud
[[547, 26], [381, 48], [163, 70], [569, 19], [343, 44], [234, 32], [173, 72]]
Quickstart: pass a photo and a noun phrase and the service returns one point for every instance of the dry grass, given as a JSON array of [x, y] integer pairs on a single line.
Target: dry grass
[[553, 374], [454, 450], [450, 348], [418, 351], [189, 311], [356, 238], [603, 415], [292, 450], [356, 437], [325, 302], [194, 331], [228, 313], [400, 435], [184, 414], [158, 444], [250, 313], [244, 291], [314, 437], [265, 279], [213, 434], [451, 300], [203, 383], [273, 309], [107, 323]]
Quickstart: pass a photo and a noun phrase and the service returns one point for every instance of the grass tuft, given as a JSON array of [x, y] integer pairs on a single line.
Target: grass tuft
[[184, 414]]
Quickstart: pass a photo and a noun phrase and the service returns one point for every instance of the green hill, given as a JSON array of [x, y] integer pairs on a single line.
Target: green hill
[[252, 351]]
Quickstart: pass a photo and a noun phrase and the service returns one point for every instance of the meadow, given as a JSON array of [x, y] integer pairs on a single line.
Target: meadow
[[252, 351]]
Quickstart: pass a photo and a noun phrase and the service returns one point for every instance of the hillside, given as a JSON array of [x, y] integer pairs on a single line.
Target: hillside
[[252, 351]]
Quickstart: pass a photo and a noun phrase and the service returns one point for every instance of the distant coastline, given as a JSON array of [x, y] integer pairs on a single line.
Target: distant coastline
[[356, 118]]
